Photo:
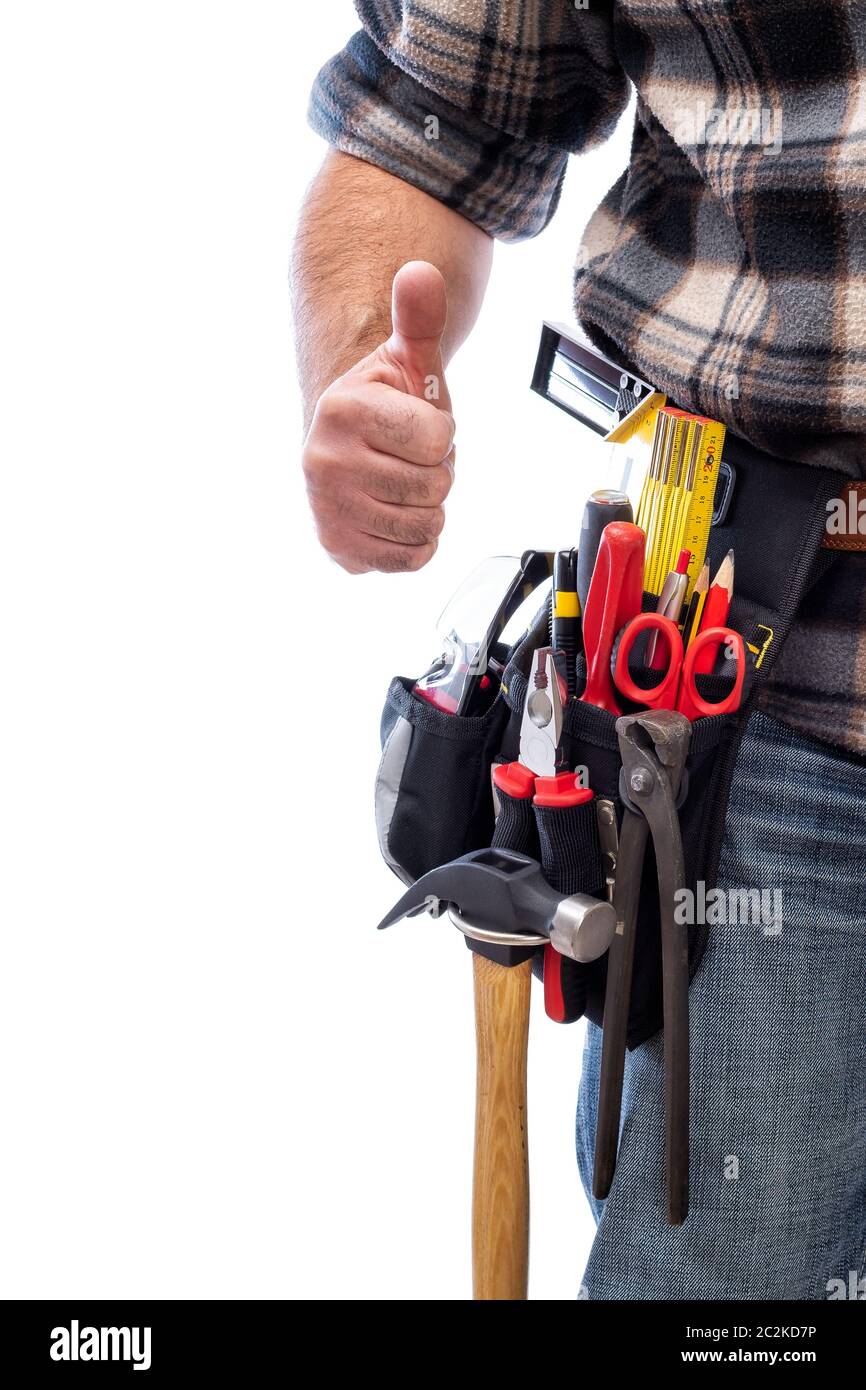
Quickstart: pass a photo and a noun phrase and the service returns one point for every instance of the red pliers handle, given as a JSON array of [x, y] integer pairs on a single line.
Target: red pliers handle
[[522, 796]]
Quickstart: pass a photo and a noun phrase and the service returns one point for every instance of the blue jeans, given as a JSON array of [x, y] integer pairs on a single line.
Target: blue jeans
[[778, 1070]]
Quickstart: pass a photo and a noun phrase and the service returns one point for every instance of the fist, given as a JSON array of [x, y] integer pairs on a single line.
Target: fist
[[379, 456]]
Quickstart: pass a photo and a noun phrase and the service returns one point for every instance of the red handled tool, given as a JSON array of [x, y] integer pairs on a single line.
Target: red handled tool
[[564, 996], [677, 689], [615, 596], [560, 792], [537, 808]]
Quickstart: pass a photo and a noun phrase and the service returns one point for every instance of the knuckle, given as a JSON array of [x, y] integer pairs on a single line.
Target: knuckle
[[435, 443], [322, 466], [411, 527], [440, 484], [312, 461], [421, 555], [444, 435], [402, 559], [393, 561], [334, 408]]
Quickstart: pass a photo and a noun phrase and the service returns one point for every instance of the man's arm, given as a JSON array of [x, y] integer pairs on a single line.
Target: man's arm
[[359, 225], [378, 456], [454, 124]]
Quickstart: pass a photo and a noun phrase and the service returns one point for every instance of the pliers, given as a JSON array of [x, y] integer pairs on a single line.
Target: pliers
[[653, 747], [538, 802]]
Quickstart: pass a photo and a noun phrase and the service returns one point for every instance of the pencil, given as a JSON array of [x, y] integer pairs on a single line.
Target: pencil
[[696, 606], [715, 612]]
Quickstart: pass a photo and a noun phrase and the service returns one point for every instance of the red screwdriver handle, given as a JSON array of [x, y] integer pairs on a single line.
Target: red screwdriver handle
[[615, 596]]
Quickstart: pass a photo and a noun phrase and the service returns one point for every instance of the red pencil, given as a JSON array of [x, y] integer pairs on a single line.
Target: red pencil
[[715, 612]]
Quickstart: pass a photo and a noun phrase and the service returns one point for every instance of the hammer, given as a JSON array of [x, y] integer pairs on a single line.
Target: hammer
[[507, 911]]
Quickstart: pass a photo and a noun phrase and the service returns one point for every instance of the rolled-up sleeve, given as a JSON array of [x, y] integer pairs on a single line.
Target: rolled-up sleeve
[[478, 105]]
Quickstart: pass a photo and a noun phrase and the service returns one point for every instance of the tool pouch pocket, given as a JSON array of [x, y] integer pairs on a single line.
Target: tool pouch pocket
[[433, 797], [591, 738], [777, 569], [434, 800]]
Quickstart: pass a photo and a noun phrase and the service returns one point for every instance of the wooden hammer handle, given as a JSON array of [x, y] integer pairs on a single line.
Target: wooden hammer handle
[[500, 1196]]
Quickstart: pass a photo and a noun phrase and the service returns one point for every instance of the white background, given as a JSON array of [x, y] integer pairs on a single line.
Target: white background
[[216, 1079]]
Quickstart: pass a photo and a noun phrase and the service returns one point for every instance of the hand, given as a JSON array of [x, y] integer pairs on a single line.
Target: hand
[[379, 456]]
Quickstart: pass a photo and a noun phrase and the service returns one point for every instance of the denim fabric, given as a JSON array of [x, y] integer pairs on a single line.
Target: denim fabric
[[778, 1070]]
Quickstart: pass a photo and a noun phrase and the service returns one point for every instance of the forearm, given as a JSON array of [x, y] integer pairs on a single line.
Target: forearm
[[358, 226]]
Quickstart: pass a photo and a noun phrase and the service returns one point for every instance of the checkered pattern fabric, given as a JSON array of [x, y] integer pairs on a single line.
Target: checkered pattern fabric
[[727, 264]]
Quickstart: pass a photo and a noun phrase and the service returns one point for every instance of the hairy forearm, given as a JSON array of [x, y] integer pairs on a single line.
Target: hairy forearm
[[358, 226]]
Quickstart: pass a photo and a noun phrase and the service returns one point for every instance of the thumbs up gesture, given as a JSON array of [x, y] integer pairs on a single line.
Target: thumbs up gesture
[[379, 456]]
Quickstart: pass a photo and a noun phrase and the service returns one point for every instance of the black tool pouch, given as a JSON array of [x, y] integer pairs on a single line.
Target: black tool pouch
[[590, 734], [434, 799]]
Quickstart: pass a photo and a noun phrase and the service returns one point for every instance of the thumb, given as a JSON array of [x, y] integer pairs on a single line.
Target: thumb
[[419, 308]]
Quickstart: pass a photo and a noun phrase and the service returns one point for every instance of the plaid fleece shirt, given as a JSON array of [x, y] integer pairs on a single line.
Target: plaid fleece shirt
[[727, 264]]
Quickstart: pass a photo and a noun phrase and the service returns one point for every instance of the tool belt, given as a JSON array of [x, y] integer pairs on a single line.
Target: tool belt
[[434, 798]]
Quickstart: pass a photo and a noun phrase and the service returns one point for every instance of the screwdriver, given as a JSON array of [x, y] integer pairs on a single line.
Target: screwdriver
[[615, 598], [603, 507], [565, 615]]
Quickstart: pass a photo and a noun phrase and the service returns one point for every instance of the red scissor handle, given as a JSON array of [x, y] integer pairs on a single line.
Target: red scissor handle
[[677, 688], [690, 703], [664, 694]]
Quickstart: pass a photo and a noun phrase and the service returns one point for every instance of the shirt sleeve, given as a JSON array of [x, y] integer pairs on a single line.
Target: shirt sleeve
[[477, 104]]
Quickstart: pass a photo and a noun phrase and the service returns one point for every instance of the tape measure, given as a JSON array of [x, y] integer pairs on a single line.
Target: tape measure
[[699, 515], [671, 471]]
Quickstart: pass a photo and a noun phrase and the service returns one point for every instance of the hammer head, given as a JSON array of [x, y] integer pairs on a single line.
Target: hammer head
[[494, 888], [499, 891]]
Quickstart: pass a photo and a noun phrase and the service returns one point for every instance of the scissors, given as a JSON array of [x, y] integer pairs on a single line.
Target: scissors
[[677, 688]]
